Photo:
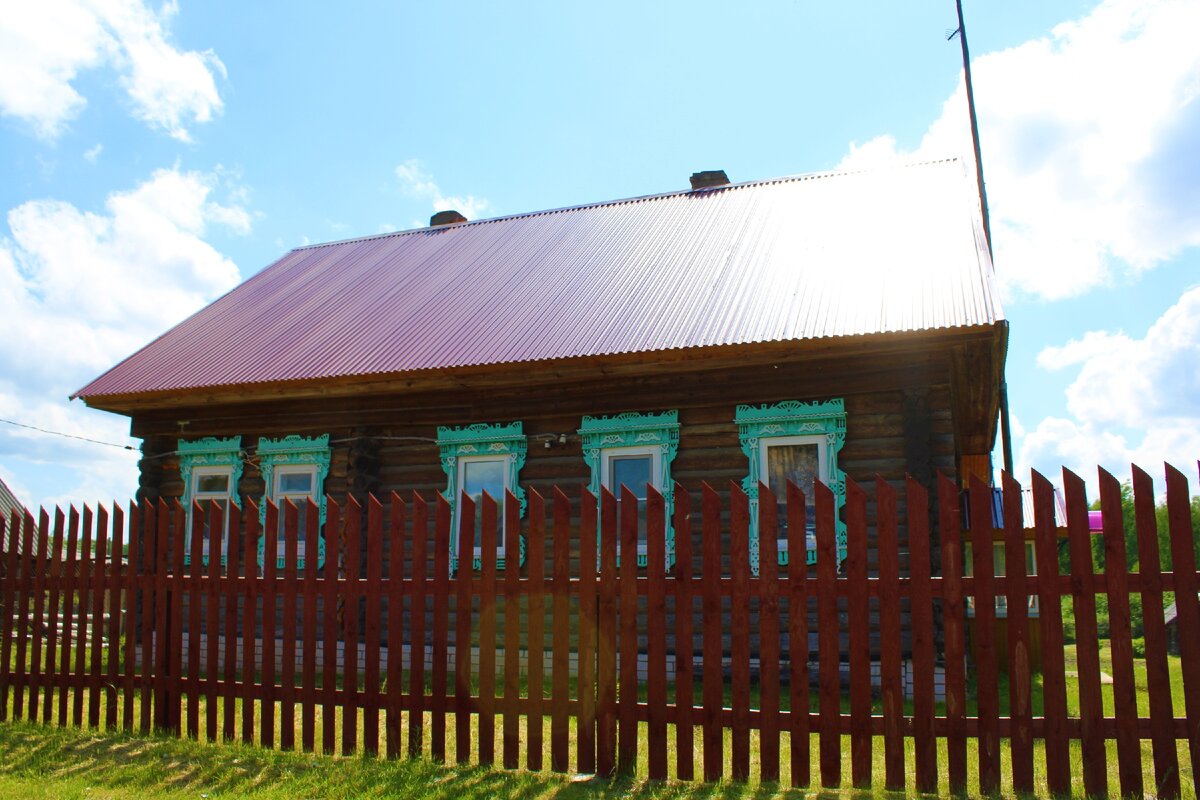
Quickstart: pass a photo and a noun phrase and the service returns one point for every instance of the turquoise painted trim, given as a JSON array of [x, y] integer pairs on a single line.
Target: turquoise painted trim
[[481, 439], [293, 451], [208, 452], [635, 430], [793, 418]]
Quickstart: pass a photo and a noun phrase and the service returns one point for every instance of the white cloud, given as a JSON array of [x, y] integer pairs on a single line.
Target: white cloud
[[1132, 400], [1088, 143], [418, 183], [45, 45], [85, 289], [92, 153]]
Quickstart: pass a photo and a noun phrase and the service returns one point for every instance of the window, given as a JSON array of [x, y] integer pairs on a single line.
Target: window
[[998, 568], [293, 468], [799, 442], [634, 450], [211, 469], [483, 458]]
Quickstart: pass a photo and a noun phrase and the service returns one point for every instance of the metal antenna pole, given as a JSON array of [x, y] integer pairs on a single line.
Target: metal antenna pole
[[1005, 431]]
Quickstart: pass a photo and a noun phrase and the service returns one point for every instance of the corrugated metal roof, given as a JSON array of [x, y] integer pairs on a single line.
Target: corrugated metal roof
[[832, 254], [8, 504]]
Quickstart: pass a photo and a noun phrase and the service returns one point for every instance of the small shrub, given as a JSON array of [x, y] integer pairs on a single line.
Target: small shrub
[[1139, 647]]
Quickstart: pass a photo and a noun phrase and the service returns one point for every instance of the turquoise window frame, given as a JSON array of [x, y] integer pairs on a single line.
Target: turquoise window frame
[[503, 440], [293, 451], [793, 418], [631, 430], [206, 453]]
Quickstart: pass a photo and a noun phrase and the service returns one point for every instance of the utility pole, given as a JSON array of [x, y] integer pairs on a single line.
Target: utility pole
[[1005, 432]]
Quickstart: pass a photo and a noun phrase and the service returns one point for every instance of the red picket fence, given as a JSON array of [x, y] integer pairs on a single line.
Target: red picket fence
[[148, 636]]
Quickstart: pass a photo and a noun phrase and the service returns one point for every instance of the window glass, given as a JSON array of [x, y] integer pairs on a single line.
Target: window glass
[[484, 476], [212, 483], [295, 482], [800, 464], [633, 472]]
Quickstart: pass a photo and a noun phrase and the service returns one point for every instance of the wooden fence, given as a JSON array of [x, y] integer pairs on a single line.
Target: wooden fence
[[99, 635]]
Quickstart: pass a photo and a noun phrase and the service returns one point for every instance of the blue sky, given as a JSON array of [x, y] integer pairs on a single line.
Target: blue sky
[[151, 157]]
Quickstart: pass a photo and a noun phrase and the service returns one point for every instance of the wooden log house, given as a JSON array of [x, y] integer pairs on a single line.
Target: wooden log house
[[823, 326]]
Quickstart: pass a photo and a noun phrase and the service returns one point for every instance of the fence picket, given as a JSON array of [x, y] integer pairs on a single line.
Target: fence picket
[[216, 526], [1083, 591], [287, 654], [627, 734], [953, 622], [983, 637], [1054, 695], [308, 669], [685, 697], [511, 736], [395, 631], [417, 599], [352, 527], [331, 595], [799, 686], [194, 589], [1158, 678], [131, 621], [233, 568], [249, 607], [1183, 558], [373, 608], [24, 630], [462, 623], [54, 578], [739, 570], [70, 579], [83, 615], [768, 626], [606, 639], [10, 531], [890, 690], [858, 620], [270, 619], [441, 624], [585, 744], [656, 634], [174, 527], [921, 619], [1017, 609], [488, 542], [537, 620], [710, 599], [828, 647], [560, 635], [38, 569], [99, 587]]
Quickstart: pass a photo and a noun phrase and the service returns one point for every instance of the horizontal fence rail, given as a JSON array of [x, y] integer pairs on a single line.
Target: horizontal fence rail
[[135, 618]]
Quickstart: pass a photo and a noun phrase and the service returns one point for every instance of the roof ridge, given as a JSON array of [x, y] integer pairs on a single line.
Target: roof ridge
[[803, 176]]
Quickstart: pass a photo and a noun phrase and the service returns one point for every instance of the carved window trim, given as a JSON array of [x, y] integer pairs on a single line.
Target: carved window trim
[[481, 441], [826, 423], [632, 432], [211, 456], [309, 453]]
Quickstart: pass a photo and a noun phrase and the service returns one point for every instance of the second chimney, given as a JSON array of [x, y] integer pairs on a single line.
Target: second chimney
[[709, 179], [446, 218]]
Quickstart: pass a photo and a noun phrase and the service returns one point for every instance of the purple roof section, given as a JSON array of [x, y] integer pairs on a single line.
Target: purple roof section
[[823, 255]]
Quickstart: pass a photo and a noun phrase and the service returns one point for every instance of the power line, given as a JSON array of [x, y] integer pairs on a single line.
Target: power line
[[67, 435]]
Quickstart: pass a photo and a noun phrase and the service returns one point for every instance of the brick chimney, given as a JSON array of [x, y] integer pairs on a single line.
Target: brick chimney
[[446, 218], [709, 179]]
